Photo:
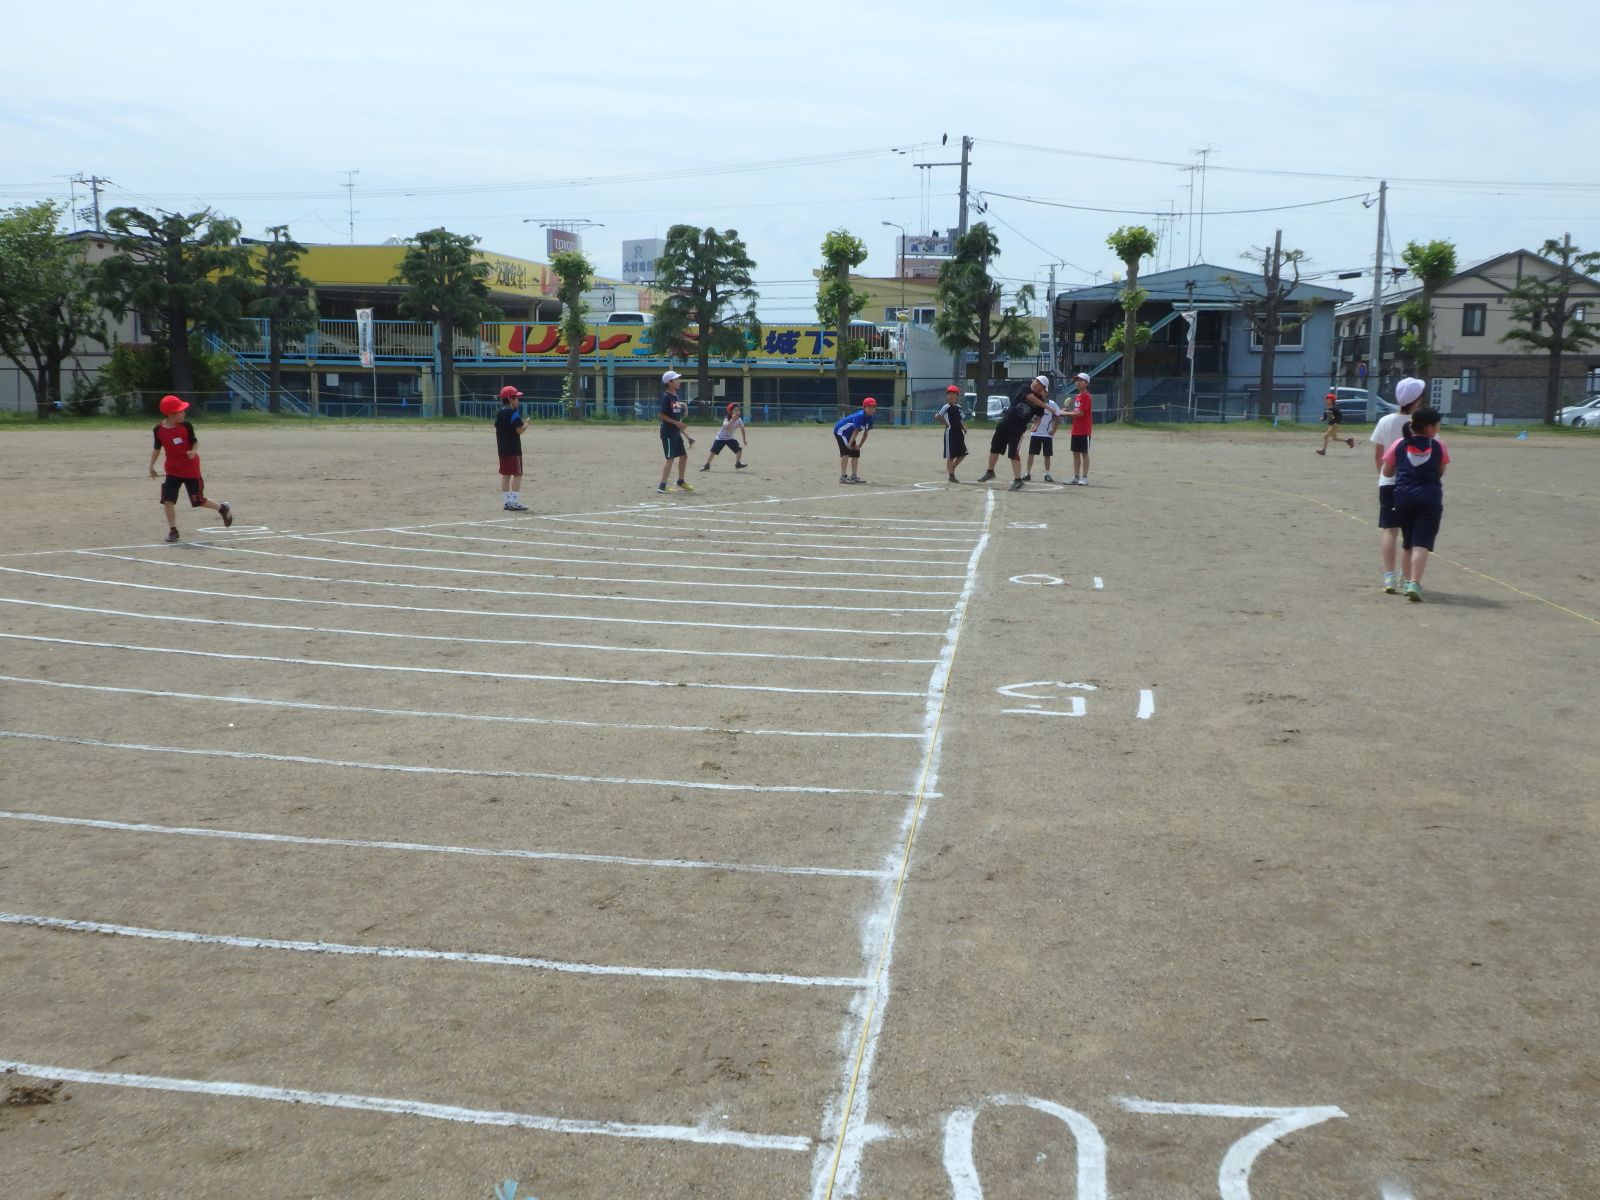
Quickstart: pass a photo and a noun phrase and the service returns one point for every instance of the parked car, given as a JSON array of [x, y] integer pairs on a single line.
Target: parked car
[[1359, 405], [1585, 415]]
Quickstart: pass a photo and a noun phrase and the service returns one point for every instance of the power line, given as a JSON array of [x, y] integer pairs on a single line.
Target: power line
[[1145, 212]]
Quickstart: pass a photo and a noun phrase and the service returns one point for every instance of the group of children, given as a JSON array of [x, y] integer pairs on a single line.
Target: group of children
[[1411, 460]]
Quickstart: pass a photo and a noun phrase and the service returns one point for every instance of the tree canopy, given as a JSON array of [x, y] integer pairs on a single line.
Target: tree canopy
[[47, 302], [286, 299], [838, 301], [1131, 243], [576, 274], [1542, 305], [971, 314], [706, 274], [1433, 264], [446, 282]]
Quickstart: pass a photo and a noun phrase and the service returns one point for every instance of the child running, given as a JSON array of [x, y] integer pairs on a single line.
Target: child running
[[728, 436], [955, 431], [175, 435], [850, 432], [1332, 415], [1416, 463]]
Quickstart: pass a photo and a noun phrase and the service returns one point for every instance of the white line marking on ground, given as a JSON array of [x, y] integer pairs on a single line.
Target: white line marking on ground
[[952, 548], [699, 555], [1098, 583], [413, 769], [415, 1108], [845, 1131], [962, 1171], [560, 966], [621, 860], [441, 637], [479, 612], [691, 519], [1147, 703], [453, 716]]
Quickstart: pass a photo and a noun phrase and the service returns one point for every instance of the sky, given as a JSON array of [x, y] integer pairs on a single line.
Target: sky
[[784, 122]]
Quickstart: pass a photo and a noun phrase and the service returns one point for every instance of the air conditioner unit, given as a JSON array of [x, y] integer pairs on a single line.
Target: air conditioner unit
[[1442, 394]]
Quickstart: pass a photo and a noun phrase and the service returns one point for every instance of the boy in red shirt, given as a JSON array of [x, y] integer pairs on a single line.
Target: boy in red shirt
[[1082, 413], [176, 436]]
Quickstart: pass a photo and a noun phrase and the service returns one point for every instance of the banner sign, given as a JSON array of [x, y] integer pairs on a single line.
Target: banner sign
[[557, 241], [783, 342], [364, 335]]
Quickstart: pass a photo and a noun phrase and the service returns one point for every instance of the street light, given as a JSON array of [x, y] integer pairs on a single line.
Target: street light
[[900, 259]]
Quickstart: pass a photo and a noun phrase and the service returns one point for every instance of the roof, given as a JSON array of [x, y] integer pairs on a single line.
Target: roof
[[1213, 286]]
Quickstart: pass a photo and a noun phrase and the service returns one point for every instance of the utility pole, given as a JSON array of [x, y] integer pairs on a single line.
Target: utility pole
[[95, 183], [966, 150], [1377, 302], [1192, 319]]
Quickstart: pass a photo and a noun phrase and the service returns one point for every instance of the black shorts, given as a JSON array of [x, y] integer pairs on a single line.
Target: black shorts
[[1386, 508], [1041, 445], [730, 443], [955, 443], [172, 484], [1418, 521], [844, 447], [672, 444], [1080, 443], [1006, 439]]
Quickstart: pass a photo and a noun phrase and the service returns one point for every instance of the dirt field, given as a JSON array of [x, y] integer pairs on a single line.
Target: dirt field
[[788, 839]]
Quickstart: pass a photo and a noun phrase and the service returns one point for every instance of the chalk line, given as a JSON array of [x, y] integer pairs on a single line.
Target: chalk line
[[743, 530]]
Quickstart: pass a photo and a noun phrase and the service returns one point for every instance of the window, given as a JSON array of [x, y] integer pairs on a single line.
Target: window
[[1577, 313], [1290, 337], [1388, 318], [1471, 381], [1473, 319], [922, 316]]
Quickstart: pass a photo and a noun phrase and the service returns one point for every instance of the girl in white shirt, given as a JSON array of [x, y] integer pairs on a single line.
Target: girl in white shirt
[[728, 436]]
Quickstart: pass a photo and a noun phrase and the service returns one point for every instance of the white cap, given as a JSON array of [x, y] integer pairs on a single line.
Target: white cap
[[1082, 376], [669, 376], [1043, 381], [1408, 390]]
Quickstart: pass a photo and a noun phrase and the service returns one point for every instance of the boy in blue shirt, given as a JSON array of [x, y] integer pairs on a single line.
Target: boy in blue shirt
[[850, 432]]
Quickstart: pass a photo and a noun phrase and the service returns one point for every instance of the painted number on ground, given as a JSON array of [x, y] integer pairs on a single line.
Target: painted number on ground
[[1056, 698]]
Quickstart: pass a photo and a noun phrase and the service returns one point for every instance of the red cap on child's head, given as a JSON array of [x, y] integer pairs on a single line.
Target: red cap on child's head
[[953, 388], [732, 408], [171, 404], [509, 393], [869, 402]]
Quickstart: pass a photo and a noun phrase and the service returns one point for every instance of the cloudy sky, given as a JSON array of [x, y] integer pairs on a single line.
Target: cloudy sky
[[786, 121]]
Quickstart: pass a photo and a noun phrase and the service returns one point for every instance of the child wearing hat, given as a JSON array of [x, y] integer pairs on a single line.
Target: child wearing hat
[[175, 435], [850, 432], [508, 427], [1389, 429], [1332, 415], [1416, 463], [728, 436], [955, 431], [1081, 430]]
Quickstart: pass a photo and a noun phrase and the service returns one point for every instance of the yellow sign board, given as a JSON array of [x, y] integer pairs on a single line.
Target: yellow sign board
[[778, 342]]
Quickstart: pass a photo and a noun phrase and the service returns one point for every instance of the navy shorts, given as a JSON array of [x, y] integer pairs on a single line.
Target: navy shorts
[[195, 486], [1386, 507], [844, 447], [1080, 443], [672, 444], [1418, 521], [1041, 445], [730, 443], [1006, 439], [955, 443]]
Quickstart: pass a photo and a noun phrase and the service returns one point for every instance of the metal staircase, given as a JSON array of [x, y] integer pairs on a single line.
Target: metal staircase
[[254, 386], [1112, 359]]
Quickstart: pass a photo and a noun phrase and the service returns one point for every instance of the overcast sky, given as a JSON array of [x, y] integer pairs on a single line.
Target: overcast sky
[[1484, 115]]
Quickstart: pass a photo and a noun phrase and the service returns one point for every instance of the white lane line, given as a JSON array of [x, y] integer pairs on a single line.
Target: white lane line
[[948, 548], [620, 860], [845, 1131], [467, 772], [752, 520], [704, 1135], [555, 575], [452, 716], [560, 966], [699, 555], [745, 531], [441, 637], [460, 672], [1147, 703], [477, 612]]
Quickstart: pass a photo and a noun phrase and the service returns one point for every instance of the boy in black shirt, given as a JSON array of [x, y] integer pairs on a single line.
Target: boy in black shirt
[[508, 427]]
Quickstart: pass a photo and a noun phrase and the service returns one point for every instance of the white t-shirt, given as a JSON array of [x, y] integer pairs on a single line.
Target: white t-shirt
[[730, 430], [1047, 420], [1385, 433]]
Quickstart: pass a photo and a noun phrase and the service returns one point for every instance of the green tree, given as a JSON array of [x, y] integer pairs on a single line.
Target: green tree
[[1433, 264], [838, 302], [446, 282], [971, 315], [707, 276], [47, 302], [143, 372], [180, 272], [285, 299], [577, 276], [1544, 305], [1269, 312], [1130, 243]]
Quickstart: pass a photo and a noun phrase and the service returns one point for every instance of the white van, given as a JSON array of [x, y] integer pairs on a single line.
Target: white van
[[629, 318]]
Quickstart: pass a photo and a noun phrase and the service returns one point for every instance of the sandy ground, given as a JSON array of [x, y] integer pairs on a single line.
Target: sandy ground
[[596, 816]]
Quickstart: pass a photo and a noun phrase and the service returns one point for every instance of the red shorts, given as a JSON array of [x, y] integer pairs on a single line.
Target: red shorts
[[511, 464]]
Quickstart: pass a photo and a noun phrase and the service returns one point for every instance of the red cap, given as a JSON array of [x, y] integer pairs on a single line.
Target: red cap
[[731, 407], [869, 402], [171, 404], [509, 393], [953, 388]]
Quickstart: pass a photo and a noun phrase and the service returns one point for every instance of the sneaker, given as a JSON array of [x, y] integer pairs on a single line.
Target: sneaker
[[684, 487], [1413, 591], [707, 467], [1351, 442], [738, 466], [985, 477], [1084, 482], [1391, 582], [172, 535], [844, 479], [661, 487], [1321, 451], [953, 478], [516, 506], [855, 479], [1028, 478], [1047, 478], [1016, 484], [225, 511]]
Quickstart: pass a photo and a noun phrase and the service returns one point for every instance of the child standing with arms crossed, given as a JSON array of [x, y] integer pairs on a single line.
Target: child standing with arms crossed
[[175, 435], [1416, 463]]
